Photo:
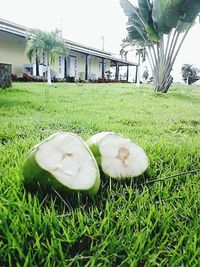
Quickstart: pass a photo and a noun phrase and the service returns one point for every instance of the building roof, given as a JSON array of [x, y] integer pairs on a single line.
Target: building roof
[[20, 30]]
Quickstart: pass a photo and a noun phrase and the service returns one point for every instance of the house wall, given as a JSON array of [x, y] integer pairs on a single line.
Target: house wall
[[58, 68], [94, 67], [12, 49], [80, 64], [95, 70]]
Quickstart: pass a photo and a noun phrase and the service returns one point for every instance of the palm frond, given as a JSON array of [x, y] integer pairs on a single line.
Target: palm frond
[[39, 42]]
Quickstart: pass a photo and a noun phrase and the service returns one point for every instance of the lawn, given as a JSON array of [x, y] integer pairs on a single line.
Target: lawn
[[132, 223]]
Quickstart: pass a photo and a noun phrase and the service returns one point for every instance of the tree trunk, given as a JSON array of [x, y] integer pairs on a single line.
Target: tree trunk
[[138, 71], [48, 75], [164, 86], [5, 75], [37, 66]]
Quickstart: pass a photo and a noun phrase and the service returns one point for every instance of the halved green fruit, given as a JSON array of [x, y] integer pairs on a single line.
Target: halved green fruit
[[64, 162], [118, 156]]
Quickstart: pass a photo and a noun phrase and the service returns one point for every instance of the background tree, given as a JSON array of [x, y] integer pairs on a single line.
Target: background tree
[[140, 52], [123, 52], [160, 27], [190, 74], [39, 42]]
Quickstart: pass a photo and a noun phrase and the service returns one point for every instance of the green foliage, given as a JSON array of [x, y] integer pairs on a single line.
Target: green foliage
[[157, 26], [190, 10], [126, 224], [145, 9], [39, 42], [189, 73], [140, 24], [160, 17], [166, 14]]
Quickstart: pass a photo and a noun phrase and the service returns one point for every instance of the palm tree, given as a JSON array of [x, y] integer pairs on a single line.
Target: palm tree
[[189, 73], [39, 42], [160, 26], [139, 51]]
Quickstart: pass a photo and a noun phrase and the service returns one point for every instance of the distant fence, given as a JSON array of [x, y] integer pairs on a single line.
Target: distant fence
[[5, 75]]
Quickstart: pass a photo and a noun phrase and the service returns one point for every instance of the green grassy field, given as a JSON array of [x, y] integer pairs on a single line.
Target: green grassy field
[[125, 224]]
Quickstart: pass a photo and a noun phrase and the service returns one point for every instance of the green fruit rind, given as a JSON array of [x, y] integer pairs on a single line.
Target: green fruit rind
[[36, 177], [107, 162]]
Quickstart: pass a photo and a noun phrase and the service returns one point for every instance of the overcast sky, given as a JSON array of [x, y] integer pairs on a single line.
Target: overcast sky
[[84, 21]]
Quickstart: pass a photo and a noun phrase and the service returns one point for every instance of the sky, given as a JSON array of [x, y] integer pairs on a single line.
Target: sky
[[85, 21]]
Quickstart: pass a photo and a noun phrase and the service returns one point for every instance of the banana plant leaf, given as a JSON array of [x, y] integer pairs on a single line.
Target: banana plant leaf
[[132, 13], [166, 14], [140, 19], [190, 10], [135, 38], [145, 9], [129, 9], [135, 25]]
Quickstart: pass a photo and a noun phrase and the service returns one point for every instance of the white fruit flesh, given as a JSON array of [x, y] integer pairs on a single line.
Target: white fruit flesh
[[67, 158], [121, 158]]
